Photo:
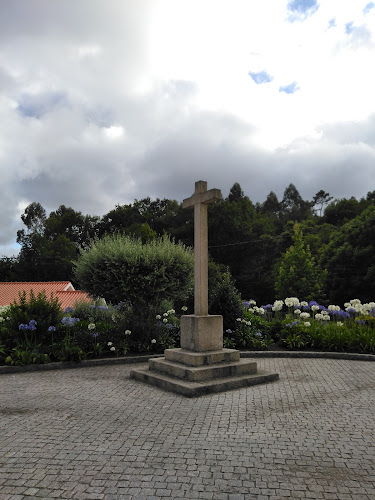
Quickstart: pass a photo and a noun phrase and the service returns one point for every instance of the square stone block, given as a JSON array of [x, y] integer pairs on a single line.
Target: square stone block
[[201, 333]]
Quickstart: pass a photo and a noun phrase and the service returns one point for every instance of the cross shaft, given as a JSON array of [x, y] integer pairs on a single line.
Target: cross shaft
[[199, 200]]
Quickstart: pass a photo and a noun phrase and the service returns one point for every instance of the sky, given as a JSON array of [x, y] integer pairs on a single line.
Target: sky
[[106, 101]]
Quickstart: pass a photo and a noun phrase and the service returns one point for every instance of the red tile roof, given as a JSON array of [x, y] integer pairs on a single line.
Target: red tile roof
[[69, 298], [63, 290]]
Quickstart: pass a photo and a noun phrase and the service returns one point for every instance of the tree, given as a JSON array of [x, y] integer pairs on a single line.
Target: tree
[[121, 268], [235, 193], [271, 206], [298, 273], [343, 210], [293, 207], [349, 259], [321, 199]]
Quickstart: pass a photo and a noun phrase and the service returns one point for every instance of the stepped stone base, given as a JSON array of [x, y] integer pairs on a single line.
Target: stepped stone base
[[194, 374]]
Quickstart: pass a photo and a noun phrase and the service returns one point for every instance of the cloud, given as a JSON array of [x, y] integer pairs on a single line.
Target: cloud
[[301, 9], [104, 104], [261, 77], [289, 89]]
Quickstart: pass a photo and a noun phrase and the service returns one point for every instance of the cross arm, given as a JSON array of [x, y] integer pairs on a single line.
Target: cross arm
[[205, 198]]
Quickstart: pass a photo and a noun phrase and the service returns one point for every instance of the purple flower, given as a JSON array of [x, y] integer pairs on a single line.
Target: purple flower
[[22, 326], [360, 322], [68, 321], [51, 328], [68, 310], [103, 308], [228, 331], [313, 303], [351, 310], [32, 324], [91, 307], [258, 334], [95, 335]]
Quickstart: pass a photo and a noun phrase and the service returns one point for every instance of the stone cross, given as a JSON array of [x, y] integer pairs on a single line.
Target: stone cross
[[200, 199]]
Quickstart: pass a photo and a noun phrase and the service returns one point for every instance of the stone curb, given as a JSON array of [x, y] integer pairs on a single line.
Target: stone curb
[[64, 365], [308, 354]]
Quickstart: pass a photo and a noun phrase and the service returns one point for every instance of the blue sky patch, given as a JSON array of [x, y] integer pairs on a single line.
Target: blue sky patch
[[261, 77], [349, 27], [332, 23], [289, 89], [301, 9], [368, 7], [36, 106]]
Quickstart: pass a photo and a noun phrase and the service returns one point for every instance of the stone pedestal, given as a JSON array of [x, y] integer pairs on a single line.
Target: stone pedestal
[[201, 366], [201, 333]]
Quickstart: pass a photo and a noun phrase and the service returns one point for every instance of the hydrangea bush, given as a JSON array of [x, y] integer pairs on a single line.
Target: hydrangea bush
[[303, 324]]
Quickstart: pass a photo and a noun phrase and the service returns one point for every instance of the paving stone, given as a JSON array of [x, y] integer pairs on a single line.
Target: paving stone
[[94, 433]]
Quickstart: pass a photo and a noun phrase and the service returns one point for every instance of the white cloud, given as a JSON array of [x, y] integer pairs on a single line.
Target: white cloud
[[102, 104]]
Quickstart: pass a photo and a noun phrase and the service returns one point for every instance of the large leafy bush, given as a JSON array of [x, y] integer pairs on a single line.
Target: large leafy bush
[[120, 268]]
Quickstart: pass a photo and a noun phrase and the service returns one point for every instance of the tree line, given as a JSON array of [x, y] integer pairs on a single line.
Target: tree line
[[337, 236]]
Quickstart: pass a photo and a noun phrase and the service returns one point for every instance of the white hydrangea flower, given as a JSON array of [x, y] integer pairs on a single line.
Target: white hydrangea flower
[[165, 320], [165, 314], [297, 311], [153, 341], [239, 320], [252, 302], [91, 326], [355, 302], [127, 332], [315, 308], [291, 301], [319, 316], [158, 316], [112, 348], [326, 317], [261, 310], [184, 308], [347, 304], [307, 323], [109, 343], [304, 315], [340, 323]]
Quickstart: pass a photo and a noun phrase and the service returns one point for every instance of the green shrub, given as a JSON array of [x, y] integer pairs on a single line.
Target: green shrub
[[120, 268], [30, 318], [224, 298]]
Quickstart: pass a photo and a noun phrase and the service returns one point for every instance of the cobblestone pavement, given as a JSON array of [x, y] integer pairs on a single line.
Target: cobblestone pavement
[[92, 433]]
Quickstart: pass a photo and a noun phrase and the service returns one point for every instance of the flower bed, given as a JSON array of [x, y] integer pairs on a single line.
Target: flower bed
[[295, 324], [38, 331]]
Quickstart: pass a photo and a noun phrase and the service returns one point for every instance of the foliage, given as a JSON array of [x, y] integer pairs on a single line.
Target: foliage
[[298, 273], [122, 268], [247, 238], [30, 317], [349, 258], [224, 298]]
